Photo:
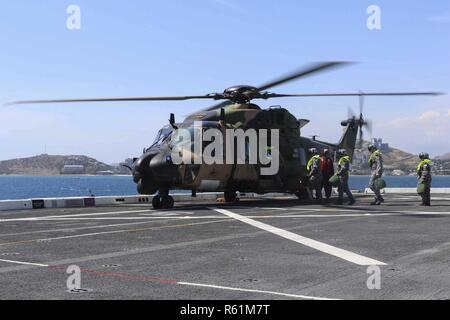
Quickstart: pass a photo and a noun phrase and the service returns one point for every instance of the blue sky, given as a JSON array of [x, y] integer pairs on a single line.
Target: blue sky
[[179, 47]]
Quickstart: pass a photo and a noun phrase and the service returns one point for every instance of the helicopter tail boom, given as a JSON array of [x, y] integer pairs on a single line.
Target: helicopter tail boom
[[350, 136]]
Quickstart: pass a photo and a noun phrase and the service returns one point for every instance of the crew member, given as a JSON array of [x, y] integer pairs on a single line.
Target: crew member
[[327, 168], [424, 176], [315, 174], [343, 173], [376, 165]]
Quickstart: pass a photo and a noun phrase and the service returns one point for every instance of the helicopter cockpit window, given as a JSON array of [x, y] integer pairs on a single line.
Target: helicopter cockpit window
[[191, 134], [185, 135], [162, 135]]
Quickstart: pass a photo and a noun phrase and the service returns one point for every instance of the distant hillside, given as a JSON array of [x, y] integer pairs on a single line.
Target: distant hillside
[[445, 157], [399, 159], [394, 159], [51, 165], [398, 162]]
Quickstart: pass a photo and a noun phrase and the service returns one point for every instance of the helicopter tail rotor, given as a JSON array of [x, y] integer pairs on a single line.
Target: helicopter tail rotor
[[363, 124], [360, 122]]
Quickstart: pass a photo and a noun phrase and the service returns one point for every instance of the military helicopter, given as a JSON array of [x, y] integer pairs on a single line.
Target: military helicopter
[[155, 173]]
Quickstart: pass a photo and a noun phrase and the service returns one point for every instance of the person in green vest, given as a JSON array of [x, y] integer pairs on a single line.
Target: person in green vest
[[315, 174], [424, 176], [343, 174], [376, 165]]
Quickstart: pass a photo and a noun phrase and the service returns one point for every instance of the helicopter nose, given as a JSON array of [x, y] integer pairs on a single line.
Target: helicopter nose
[[141, 167], [142, 174], [162, 167], [153, 170]]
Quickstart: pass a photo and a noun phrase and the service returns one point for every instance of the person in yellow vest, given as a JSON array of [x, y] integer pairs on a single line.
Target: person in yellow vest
[[315, 174], [343, 174], [424, 176], [376, 165]]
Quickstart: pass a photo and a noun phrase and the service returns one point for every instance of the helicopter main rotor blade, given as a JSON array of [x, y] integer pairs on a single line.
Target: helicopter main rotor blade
[[300, 95], [220, 97], [315, 68], [302, 73], [179, 98]]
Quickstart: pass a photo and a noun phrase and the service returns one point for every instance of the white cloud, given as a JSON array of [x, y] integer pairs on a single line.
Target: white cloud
[[430, 122], [429, 116], [428, 131]]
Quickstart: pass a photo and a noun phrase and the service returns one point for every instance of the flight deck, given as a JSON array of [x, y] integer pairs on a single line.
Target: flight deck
[[259, 248]]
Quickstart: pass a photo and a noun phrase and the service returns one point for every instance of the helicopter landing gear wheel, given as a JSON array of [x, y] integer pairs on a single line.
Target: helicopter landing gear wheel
[[230, 196], [156, 202], [163, 200], [167, 202]]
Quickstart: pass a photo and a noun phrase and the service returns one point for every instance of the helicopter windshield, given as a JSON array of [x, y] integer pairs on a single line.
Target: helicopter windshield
[[190, 133], [162, 135], [179, 136]]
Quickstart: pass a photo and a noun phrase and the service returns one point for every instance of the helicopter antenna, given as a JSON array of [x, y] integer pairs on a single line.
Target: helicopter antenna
[[222, 116], [172, 121]]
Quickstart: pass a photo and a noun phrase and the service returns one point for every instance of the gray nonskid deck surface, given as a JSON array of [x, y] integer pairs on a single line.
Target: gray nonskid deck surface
[[255, 249]]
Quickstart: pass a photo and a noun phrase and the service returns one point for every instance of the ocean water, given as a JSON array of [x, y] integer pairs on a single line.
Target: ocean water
[[26, 187]]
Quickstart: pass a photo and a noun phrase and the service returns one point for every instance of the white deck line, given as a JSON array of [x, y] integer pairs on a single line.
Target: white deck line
[[24, 263], [253, 290], [323, 247]]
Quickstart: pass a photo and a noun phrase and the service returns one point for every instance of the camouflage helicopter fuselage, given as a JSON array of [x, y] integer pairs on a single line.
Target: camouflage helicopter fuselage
[[153, 172]]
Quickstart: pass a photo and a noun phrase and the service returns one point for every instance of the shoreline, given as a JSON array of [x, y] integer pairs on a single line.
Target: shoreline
[[21, 186]]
